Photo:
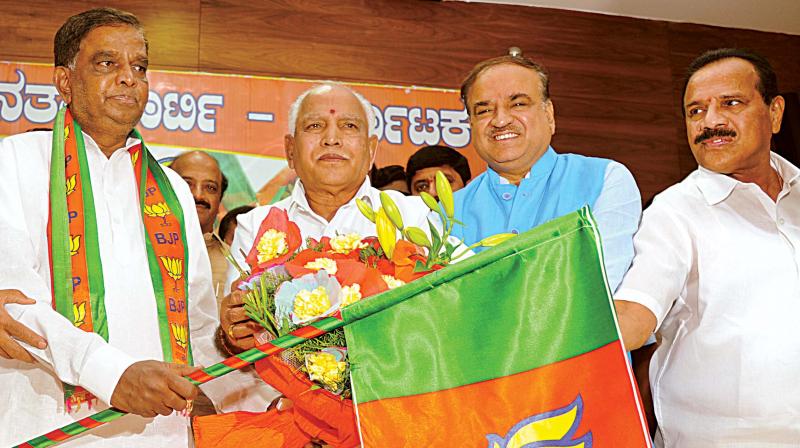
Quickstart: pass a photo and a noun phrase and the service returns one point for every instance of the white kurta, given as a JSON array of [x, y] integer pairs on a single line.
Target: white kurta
[[718, 264], [31, 395], [348, 219]]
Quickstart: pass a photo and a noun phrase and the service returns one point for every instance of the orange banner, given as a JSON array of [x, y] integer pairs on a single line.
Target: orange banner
[[245, 116]]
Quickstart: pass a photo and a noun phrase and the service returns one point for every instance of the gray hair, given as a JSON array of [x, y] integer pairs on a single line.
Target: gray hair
[[294, 109]]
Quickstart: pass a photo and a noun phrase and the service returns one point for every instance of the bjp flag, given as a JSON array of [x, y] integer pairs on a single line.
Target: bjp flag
[[515, 347]]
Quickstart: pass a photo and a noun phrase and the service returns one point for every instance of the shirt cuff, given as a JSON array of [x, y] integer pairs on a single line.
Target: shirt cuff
[[644, 299], [102, 371]]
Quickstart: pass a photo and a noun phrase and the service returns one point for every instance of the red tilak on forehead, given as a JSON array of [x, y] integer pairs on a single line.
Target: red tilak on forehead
[[333, 111]]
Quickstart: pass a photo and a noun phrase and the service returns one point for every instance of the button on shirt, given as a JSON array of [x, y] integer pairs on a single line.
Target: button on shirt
[[557, 184], [31, 394], [718, 264]]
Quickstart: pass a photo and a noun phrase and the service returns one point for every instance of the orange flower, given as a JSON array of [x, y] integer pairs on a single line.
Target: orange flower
[[351, 272], [305, 262], [277, 221]]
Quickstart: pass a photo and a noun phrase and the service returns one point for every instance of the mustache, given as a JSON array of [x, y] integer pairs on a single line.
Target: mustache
[[203, 203], [716, 132]]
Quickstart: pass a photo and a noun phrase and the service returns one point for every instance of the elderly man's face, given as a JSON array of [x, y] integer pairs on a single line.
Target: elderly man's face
[[728, 125], [511, 124], [331, 148], [107, 88], [425, 180], [202, 173]]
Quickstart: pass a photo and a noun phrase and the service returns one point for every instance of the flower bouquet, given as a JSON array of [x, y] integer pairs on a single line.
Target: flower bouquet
[[290, 285]]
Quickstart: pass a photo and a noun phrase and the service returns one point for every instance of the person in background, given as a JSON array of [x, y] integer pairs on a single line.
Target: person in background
[[207, 184], [228, 224], [422, 167], [391, 177], [717, 269]]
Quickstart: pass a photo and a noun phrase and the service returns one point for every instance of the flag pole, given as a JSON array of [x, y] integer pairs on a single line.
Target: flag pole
[[236, 362]]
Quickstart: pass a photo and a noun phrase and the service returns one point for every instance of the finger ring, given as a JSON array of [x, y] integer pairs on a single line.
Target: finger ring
[[230, 331]]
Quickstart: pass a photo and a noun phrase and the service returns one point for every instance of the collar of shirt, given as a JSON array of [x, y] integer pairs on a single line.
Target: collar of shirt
[[540, 168], [90, 144], [299, 202], [715, 187]]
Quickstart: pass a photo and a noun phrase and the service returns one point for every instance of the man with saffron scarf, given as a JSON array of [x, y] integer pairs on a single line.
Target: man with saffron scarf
[[108, 245]]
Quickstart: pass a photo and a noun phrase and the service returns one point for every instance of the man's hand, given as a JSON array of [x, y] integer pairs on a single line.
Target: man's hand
[[636, 323], [11, 329], [239, 329], [148, 388]]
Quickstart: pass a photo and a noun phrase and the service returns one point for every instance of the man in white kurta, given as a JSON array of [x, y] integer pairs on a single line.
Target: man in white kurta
[[32, 395], [331, 144], [717, 270], [101, 63]]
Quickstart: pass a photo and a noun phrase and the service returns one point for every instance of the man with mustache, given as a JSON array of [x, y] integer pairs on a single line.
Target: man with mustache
[[717, 269], [207, 184], [108, 246], [527, 182]]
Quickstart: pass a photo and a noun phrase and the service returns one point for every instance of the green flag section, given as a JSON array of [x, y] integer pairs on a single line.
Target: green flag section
[[514, 347]]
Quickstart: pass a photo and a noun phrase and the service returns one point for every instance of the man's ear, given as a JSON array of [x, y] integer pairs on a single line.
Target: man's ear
[[551, 116], [372, 144], [62, 79], [288, 147], [776, 113]]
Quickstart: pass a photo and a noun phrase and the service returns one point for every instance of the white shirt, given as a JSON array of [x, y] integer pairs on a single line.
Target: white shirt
[[718, 263], [348, 219], [31, 395]]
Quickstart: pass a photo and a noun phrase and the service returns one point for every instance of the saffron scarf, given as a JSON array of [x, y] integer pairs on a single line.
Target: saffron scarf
[[75, 262]]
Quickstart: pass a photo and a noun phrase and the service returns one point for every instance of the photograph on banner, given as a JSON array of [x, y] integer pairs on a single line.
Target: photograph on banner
[[242, 120]]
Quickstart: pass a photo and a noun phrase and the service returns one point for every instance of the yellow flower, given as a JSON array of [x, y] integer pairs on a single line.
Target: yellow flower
[[342, 244], [392, 282], [324, 368], [322, 263], [79, 314], [271, 245], [310, 304], [350, 294]]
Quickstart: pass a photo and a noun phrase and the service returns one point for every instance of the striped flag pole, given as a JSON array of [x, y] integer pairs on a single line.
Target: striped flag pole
[[237, 362]]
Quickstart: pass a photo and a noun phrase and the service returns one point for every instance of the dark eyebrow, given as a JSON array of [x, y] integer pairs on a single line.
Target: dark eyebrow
[[104, 54], [517, 96]]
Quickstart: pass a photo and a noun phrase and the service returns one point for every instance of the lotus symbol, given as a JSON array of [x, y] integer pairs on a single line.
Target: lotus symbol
[[74, 244], [79, 314], [549, 429], [174, 267], [158, 210], [71, 182], [180, 334]]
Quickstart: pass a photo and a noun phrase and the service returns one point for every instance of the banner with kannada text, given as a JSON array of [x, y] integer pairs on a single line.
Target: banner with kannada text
[[242, 120]]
